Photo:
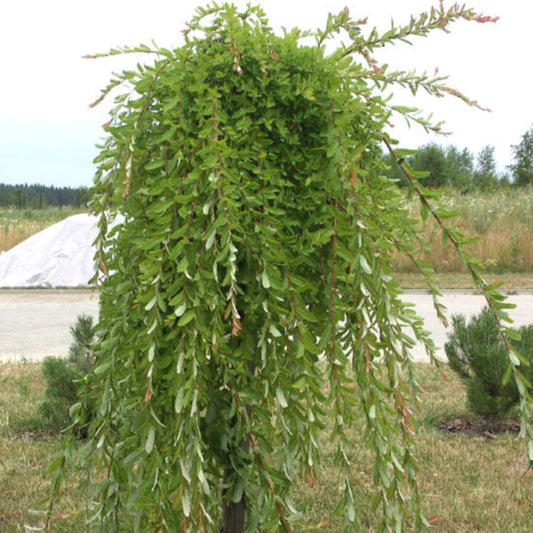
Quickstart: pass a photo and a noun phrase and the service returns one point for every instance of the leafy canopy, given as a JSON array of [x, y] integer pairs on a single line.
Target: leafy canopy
[[522, 168], [249, 299]]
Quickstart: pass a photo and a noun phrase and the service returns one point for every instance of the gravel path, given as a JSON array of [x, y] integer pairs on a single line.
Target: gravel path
[[36, 323]]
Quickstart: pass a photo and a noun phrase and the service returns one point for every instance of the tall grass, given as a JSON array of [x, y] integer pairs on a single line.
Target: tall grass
[[502, 220], [16, 225]]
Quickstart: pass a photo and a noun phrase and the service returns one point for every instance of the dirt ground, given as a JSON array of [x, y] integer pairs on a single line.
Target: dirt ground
[[36, 323]]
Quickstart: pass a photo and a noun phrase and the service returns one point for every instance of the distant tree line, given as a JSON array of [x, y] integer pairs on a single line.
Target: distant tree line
[[457, 168], [42, 196]]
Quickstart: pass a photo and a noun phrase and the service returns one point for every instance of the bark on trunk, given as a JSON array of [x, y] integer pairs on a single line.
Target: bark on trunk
[[233, 512]]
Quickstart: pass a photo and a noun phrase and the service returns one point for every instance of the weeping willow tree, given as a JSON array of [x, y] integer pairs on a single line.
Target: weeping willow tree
[[247, 235]]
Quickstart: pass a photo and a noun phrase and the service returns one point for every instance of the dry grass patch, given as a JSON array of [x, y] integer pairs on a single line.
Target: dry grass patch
[[469, 484], [22, 387], [25, 453], [16, 225], [475, 484], [23, 462], [502, 220], [512, 281]]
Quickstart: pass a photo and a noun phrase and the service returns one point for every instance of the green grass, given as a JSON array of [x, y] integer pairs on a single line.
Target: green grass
[[469, 484]]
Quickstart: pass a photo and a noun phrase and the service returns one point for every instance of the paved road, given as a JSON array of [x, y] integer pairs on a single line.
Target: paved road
[[467, 304], [36, 323]]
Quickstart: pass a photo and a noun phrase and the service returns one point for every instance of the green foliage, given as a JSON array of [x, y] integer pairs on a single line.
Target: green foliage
[[249, 297], [486, 176], [445, 166], [451, 167], [522, 168], [431, 158], [81, 351], [65, 377], [61, 393], [475, 351], [460, 167], [40, 196]]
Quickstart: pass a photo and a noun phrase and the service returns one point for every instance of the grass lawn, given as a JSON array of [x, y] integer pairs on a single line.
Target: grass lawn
[[470, 483]]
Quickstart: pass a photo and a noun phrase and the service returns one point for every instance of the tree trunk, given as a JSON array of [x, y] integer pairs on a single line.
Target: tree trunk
[[233, 512]]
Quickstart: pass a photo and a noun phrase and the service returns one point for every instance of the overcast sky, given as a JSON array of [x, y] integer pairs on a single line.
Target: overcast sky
[[48, 132]]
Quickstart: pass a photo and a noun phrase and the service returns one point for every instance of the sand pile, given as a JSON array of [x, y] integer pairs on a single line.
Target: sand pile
[[59, 256]]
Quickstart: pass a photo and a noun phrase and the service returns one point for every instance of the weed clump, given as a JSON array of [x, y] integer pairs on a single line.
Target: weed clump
[[476, 352]]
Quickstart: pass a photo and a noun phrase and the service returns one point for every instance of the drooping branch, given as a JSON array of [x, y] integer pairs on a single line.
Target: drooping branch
[[419, 26], [494, 299], [243, 413]]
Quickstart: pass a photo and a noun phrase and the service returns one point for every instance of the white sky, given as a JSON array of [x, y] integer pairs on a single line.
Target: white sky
[[48, 132]]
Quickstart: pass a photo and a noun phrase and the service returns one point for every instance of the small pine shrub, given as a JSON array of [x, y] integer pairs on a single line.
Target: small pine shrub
[[64, 376], [60, 392], [81, 352], [476, 352]]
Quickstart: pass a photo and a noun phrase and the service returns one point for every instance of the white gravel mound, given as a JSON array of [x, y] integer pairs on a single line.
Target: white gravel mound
[[59, 256]]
